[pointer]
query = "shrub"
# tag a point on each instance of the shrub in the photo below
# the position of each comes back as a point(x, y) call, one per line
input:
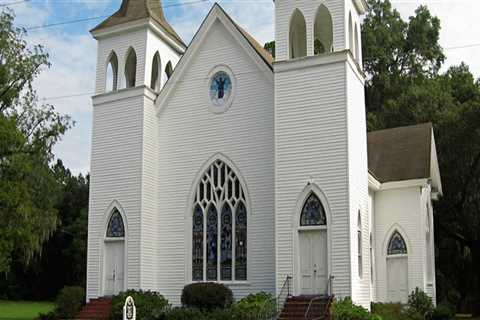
point(69, 301)
point(389, 311)
point(255, 305)
point(52, 315)
point(443, 311)
point(183, 314)
point(419, 302)
point(207, 296)
point(149, 304)
point(344, 309)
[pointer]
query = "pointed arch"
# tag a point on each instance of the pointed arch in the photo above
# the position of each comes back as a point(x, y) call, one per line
point(357, 44)
point(313, 212)
point(155, 80)
point(168, 69)
point(396, 244)
point(351, 44)
point(297, 35)
point(220, 204)
point(115, 227)
point(323, 31)
point(111, 75)
point(130, 68)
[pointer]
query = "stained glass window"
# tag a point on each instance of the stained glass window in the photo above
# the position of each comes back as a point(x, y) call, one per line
point(396, 245)
point(313, 213)
point(226, 243)
point(115, 227)
point(219, 188)
point(197, 247)
point(212, 242)
point(241, 242)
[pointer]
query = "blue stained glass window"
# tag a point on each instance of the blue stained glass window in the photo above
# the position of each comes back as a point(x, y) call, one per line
point(226, 243)
point(396, 245)
point(115, 227)
point(197, 248)
point(241, 242)
point(220, 88)
point(212, 242)
point(313, 213)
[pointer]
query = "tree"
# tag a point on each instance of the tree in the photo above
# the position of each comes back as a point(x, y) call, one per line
point(28, 131)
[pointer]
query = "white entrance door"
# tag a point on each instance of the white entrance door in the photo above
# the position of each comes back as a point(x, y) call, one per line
point(114, 267)
point(313, 261)
point(397, 277)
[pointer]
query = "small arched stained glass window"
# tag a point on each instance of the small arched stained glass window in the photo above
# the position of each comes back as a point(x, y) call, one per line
point(396, 245)
point(115, 227)
point(212, 243)
point(313, 213)
point(241, 242)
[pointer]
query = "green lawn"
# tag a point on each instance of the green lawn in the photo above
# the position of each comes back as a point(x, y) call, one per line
point(23, 310)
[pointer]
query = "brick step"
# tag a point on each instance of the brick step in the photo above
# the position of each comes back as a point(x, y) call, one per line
point(296, 307)
point(96, 309)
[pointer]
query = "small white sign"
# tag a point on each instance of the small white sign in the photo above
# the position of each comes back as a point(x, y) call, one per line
point(129, 310)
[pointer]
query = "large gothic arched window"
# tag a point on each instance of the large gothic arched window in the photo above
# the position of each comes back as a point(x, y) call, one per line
point(115, 228)
point(396, 245)
point(219, 226)
point(313, 212)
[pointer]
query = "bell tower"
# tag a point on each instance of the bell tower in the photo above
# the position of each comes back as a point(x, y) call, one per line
point(320, 144)
point(137, 53)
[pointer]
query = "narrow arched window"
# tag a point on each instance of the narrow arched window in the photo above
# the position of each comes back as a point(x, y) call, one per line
point(111, 77)
point(396, 244)
point(131, 69)
point(323, 31)
point(168, 69)
point(313, 212)
point(298, 35)
point(357, 44)
point(360, 244)
point(115, 228)
point(219, 205)
point(350, 35)
point(156, 73)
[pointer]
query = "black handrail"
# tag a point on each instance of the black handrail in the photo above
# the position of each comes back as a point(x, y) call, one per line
point(284, 294)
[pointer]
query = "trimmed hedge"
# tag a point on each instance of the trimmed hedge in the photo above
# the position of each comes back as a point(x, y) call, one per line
point(255, 305)
point(149, 305)
point(207, 296)
point(69, 302)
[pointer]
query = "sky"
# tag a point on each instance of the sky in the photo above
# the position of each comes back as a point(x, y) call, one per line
point(69, 83)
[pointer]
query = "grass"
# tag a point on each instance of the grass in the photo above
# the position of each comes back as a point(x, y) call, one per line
point(23, 310)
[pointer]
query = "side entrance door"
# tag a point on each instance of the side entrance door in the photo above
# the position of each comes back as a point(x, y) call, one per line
point(114, 267)
point(313, 261)
point(397, 277)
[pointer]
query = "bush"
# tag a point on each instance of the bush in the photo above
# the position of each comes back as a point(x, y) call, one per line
point(149, 304)
point(69, 302)
point(344, 309)
point(254, 305)
point(207, 296)
point(443, 311)
point(419, 302)
point(52, 315)
point(389, 311)
point(183, 314)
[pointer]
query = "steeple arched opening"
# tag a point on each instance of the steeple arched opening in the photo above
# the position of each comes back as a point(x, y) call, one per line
point(298, 35)
point(130, 69)
point(155, 82)
point(351, 45)
point(357, 44)
point(168, 69)
point(323, 31)
point(111, 76)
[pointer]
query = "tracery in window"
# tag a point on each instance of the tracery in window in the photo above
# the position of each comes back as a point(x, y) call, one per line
point(396, 245)
point(115, 228)
point(313, 213)
point(219, 204)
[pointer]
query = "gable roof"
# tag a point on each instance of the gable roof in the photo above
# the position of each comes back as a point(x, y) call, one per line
point(132, 10)
point(403, 153)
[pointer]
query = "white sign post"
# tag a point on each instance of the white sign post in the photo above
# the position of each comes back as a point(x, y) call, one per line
point(129, 311)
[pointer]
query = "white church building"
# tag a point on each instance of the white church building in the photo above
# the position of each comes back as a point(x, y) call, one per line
point(214, 162)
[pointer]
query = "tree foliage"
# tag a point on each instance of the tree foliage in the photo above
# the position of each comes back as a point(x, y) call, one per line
point(405, 86)
point(28, 131)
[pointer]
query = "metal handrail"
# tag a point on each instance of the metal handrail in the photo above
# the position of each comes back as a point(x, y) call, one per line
point(284, 294)
point(328, 294)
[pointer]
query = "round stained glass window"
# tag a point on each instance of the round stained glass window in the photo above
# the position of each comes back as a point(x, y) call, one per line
point(220, 89)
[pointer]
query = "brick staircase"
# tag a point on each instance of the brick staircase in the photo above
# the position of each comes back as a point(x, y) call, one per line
point(96, 309)
point(295, 308)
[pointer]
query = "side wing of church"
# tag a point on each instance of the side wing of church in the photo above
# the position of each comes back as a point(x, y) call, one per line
point(213, 162)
